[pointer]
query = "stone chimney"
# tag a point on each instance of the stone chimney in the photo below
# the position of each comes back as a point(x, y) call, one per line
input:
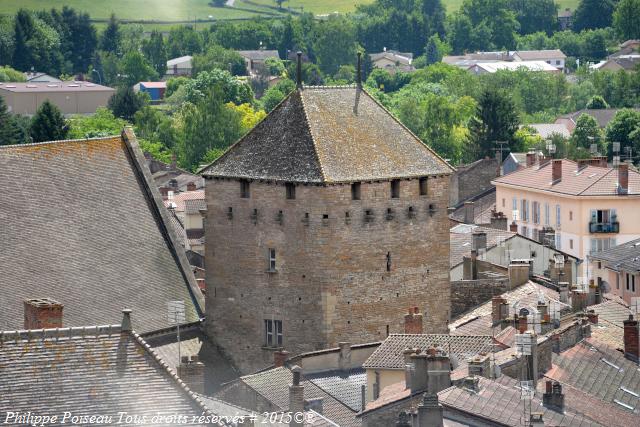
point(563, 292)
point(556, 171)
point(631, 336)
point(578, 300)
point(623, 178)
point(513, 227)
point(409, 367)
point(296, 397)
point(531, 159)
point(430, 413)
point(413, 322)
point(280, 357)
point(42, 313)
point(480, 366)
point(479, 241)
point(471, 384)
point(498, 221)
point(499, 309)
point(468, 212)
point(536, 419)
point(191, 371)
point(191, 186)
point(553, 397)
point(474, 265)
point(431, 371)
point(518, 274)
point(344, 358)
point(419, 376)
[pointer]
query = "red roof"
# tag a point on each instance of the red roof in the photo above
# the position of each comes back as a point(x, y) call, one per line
point(588, 181)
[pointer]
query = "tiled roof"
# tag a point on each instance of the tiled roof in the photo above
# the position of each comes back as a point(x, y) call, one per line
point(461, 236)
point(89, 371)
point(179, 199)
point(392, 55)
point(482, 207)
point(346, 388)
point(154, 85)
point(588, 181)
point(389, 355)
point(85, 226)
point(603, 115)
point(500, 402)
point(625, 256)
point(601, 372)
point(540, 54)
point(259, 55)
point(328, 135)
point(547, 130)
point(274, 386)
point(194, 206)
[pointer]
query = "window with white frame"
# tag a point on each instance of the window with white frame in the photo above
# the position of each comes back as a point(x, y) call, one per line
point(524, 214)
point(598, 245)
point(272, 260)
point(273, 333)
point(515, 204)
point(535, 207)
point(546, 214)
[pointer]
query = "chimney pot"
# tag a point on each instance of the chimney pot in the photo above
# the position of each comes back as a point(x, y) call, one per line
point(556, 171)
point(344, 358)
point(280, 357)
point(623, 178)
point(413, 322)
point(191, 186)
point(42, 313)
point(531, 159)
point(296, 396)
point(359, 71)
point(191, 371)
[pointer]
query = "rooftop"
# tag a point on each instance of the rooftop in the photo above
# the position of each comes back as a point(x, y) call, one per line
point(461, 236)
point(588, 181)
point(89, 231)
point(259, 55)
point(547, 130)
point(179, 60)
point(53, 87)
point(328, 135)
point(540, 54)
point(492, 67)
point(625, 256)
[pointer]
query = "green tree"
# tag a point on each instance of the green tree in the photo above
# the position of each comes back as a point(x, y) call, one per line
point(110, 38)
point(593, 14)
point(7, 39)
point(155, 51)
point(8, 74)
point(274, 95)
point(536, 15)
point(335, 44)
point(102, 123)
point(432, 54)
point(231, 88)
point(621, 129)
point(24, 29)
point(433, 13)
point(496, 120)
point(174, 83)
point(48, 124)
point(587, 132)
point(626, 19)
point(217, 57)
point(498, 19)
point(125, 102)
point(135, 68)
point(9, 131)
point(597, 103)
point(184, 40)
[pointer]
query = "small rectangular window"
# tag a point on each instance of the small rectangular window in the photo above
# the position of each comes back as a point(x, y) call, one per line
point(244, 189)
point(557, 216)
point(627, 281)
point(571, 245)
point(570, 215)
point(423, 186)
point(273, 336)
point(272, 259)
point(291, 191)
point(355, 191)
point(278, 327)
point(268, 332)
point(503, 202)
point(395, 189)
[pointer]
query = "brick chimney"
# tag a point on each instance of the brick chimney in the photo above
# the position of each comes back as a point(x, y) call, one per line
point(191, 371)
point(413, 321)
point(600, 161)
point(468, 213)
point(553, 396)
point(578, 300)
point(499, 309)
point(523, 324)
point(42, 313)
point(280, 357)
point(592, 316)
point(631, 336)
point(531, 159)
point(296, 397)
point(623, 178)
point(344, 358)
point(430, 413)
point(191, 186)
point(513, 227)
point(556, 171)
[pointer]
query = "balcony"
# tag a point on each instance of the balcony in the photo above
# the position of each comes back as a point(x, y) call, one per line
point(604, 227)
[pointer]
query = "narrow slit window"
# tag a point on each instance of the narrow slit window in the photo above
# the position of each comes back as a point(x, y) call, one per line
point(395, 189)
point(272, 259)
point(355, 191)
point(291, 191)
point(423, 186)
point(245, 191)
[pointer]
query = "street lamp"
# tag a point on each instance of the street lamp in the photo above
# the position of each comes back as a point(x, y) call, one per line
point(98, 73)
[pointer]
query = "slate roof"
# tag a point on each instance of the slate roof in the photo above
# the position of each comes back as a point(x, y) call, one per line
point(601, 372)
point(85, 226)
point(603, 116)
point(179, 60)
point(259, 55)
point(89, 371)
point(589, 181)
point(403, 58)
point(194, 206)
point(328, 135)
point(482, 207)
point(273, 385)
point(625, 256)
point(461, 236)
point(459, 348)
point(346, 388)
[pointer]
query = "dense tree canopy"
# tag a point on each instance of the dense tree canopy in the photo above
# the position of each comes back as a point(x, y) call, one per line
point(48, 124)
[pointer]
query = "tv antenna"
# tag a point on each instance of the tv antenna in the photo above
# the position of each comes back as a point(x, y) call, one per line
point(176, 316)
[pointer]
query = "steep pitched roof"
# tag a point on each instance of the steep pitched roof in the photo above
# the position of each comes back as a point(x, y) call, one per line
point(89, 371)
point(588, 181)
point(84, 225)
point(625, 256)
point(328, 135)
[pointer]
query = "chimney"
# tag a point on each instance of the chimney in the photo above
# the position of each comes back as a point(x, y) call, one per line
point(564, 292)
point(553, 396)
point(518, 274)
point(592, 316)
point(344, 358)
point(296, 397)
point(499, 309)
point(543, 309)
point(413, 322)
point(522, 324)
point(556, 171)
point(480, 366)
point(513, 227)
point(191, 371)
point(631, 345)
point(479, 241)
point(578, 300)
point(623, 178)
point(191, 186)
point(474, 265)
point(408, 366)
point(299, 71)
point(600, 161)
point(471, 384)
point(432, 371)
point(359, 71)
point(536, 419)
point(126, 321)
point(404, 419)
point(468, 212)
point(42, 313)
point(419, 376)
point(531, 159)
point(498, 221)
point(174, 163)
point(430, 411)
point(280, 357)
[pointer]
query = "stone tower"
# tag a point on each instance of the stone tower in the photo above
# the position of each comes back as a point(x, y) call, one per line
point(324, 224)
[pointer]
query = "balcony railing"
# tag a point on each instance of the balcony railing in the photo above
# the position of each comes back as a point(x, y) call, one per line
point(604, 227)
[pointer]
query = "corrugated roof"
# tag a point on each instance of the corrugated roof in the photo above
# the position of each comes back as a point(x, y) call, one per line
point(588, 181)
point(328, 135)
point(84, 225)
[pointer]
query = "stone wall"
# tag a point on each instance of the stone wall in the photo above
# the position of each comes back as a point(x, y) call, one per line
point(468, 294)
point(331, 282)
point(470, 180)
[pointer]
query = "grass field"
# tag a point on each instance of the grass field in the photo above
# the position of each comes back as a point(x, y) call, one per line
point(184, 10)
